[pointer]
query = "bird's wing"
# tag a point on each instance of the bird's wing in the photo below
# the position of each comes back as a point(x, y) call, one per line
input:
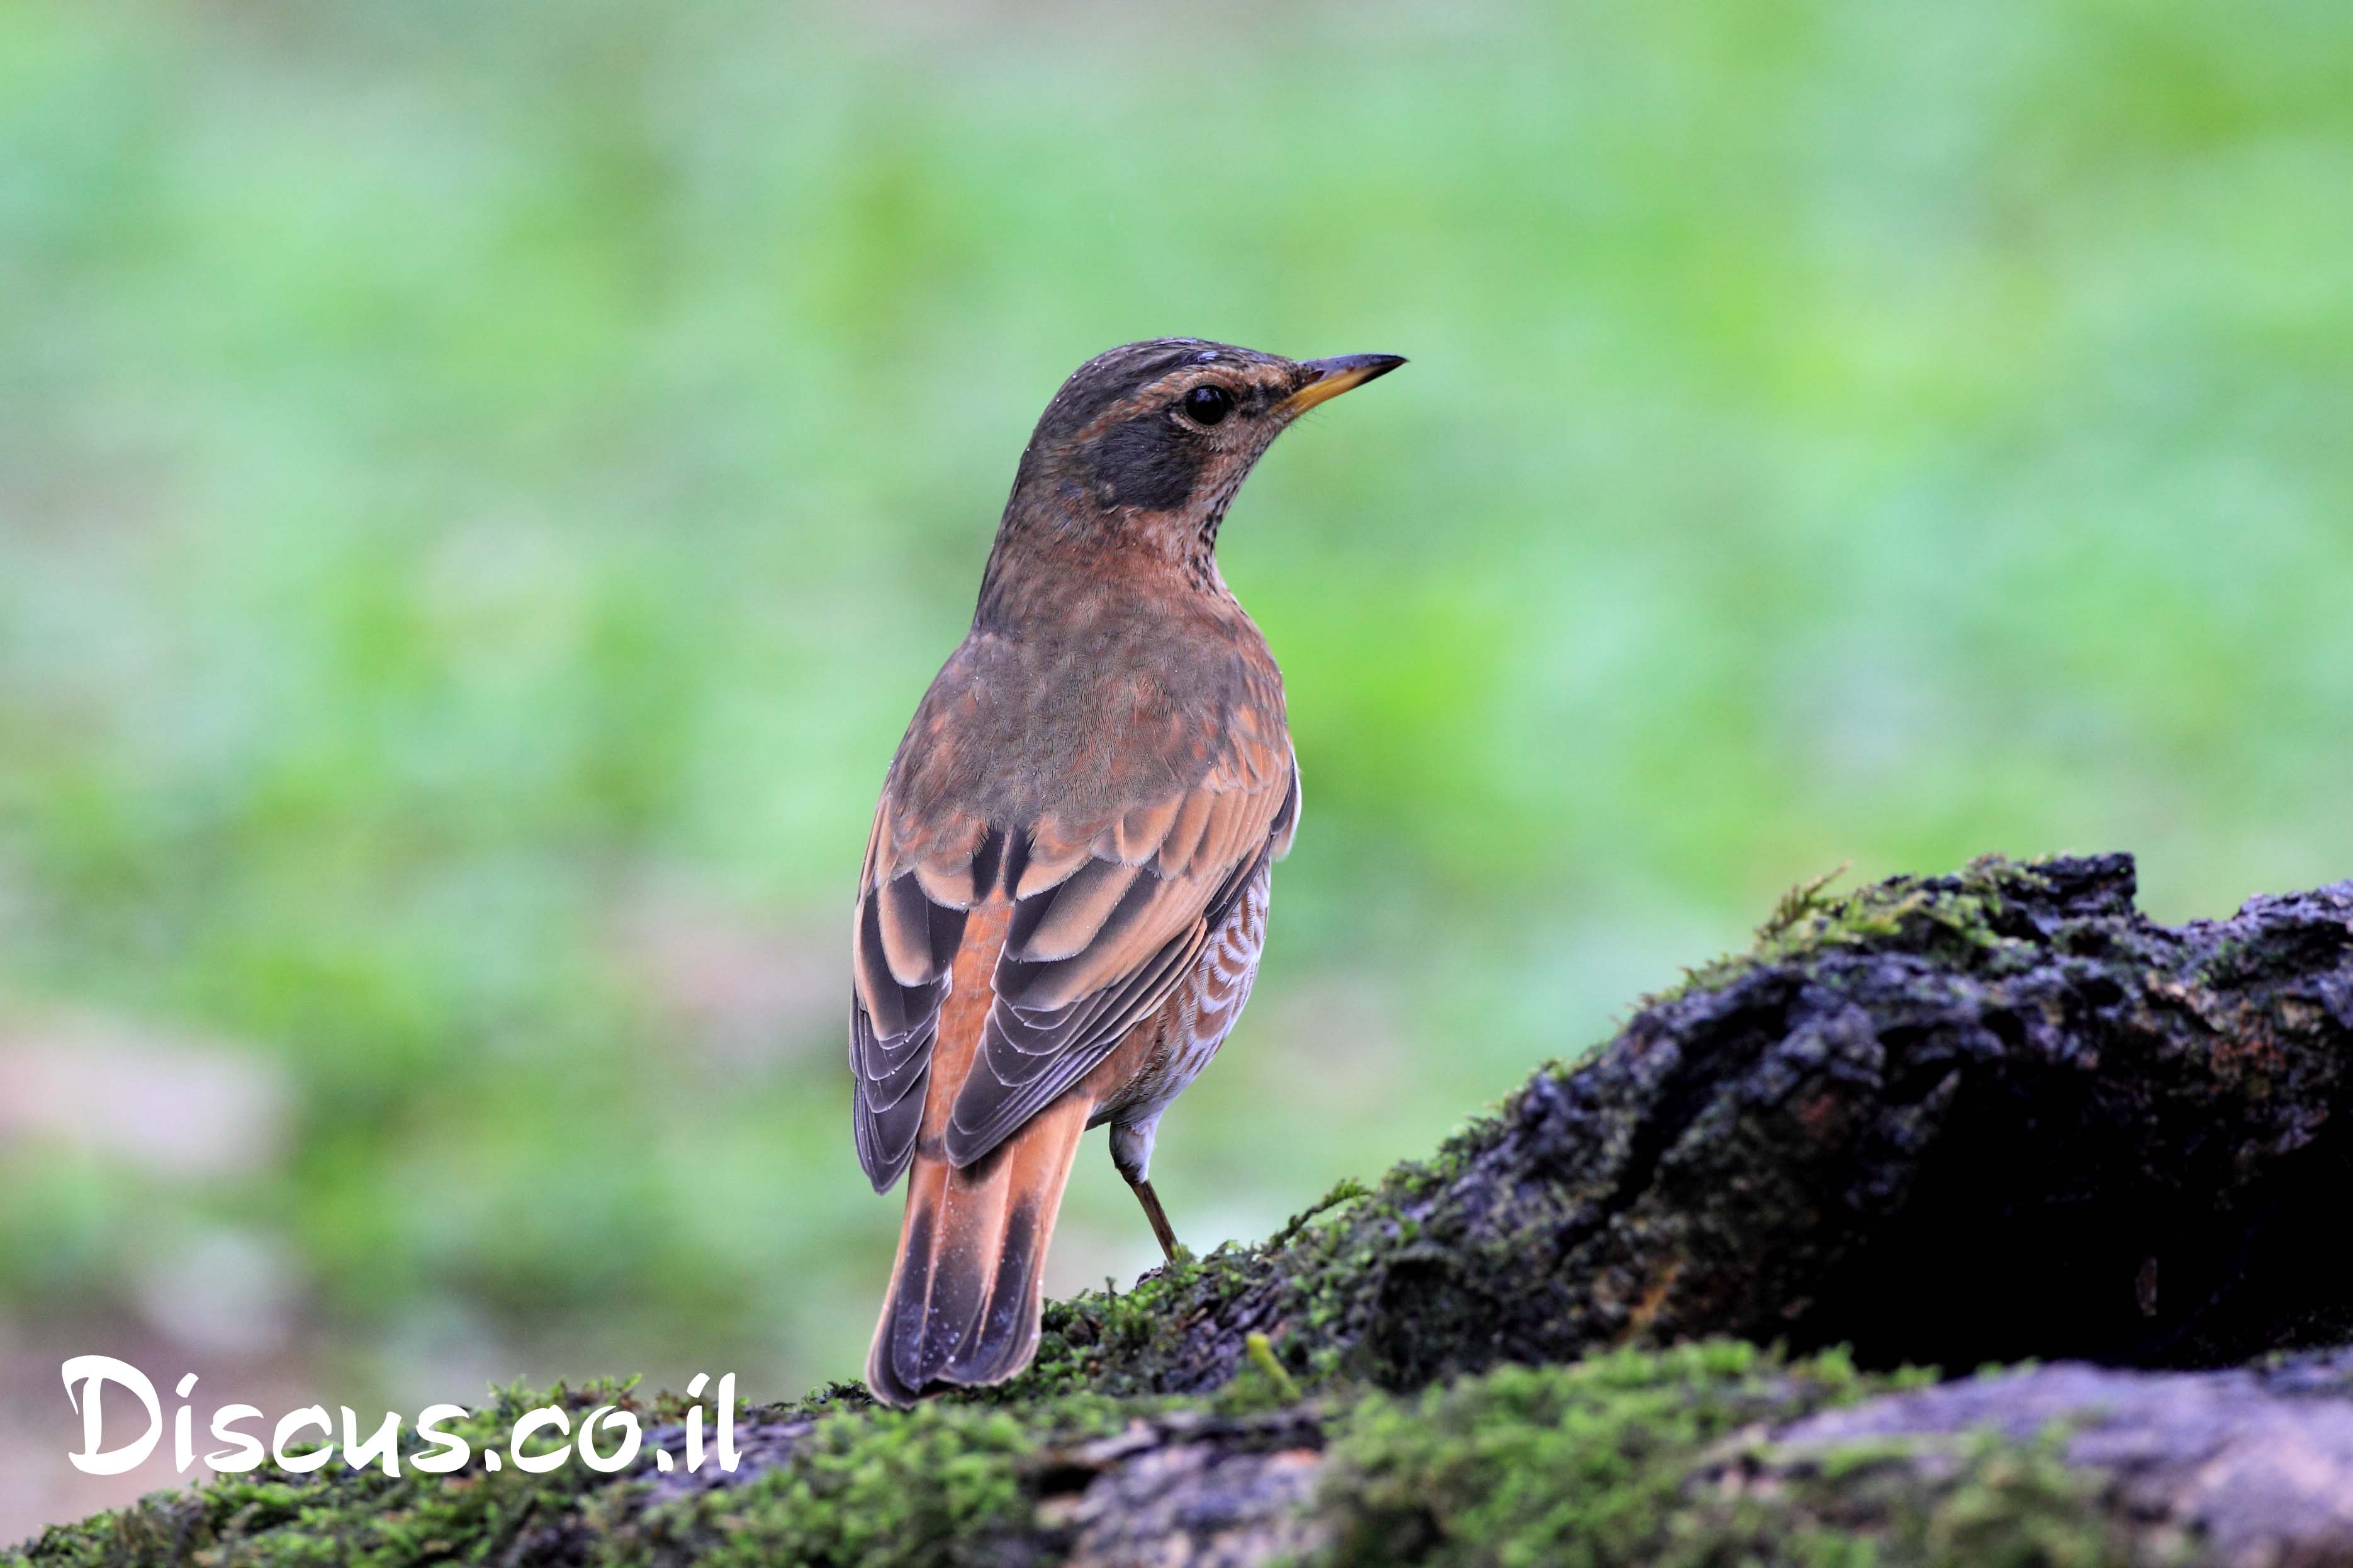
point(1109, 909)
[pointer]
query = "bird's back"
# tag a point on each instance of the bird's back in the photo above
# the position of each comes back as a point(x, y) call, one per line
point(1087, 708)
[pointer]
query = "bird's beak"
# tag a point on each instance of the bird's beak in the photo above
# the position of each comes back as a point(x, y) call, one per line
point(1334, 376)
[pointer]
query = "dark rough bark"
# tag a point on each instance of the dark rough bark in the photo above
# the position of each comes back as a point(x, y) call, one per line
point(1194, 1490)
point(1948, 1120)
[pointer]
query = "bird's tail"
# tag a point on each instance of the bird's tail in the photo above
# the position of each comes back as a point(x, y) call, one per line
point(964, 1298)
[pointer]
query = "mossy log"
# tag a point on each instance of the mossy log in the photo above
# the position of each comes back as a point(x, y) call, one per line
point(1941, 1121)
point(1949, 1119)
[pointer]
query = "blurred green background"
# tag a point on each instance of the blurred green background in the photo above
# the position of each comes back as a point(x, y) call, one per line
point(483, 484)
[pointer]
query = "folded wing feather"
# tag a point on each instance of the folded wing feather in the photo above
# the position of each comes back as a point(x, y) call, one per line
point(1108, 915)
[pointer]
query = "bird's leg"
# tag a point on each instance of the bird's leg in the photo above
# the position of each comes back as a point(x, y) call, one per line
point(1131, 1151)
point(1161, 1230)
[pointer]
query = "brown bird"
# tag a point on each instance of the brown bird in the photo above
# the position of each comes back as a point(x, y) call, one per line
point(1065, 889)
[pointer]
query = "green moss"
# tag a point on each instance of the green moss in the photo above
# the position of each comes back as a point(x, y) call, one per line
point(1954, 916)
point(1318, 1270)
point(1122, 1342)
point(946, 1483)
point(1112, 1341)
point(942, 1484)
point(1661, 1458)
point(1622, 1457)
point(1582, 1464)
point(338, 1516)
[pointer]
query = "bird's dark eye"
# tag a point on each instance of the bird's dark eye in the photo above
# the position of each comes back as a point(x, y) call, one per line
point(1207, 405)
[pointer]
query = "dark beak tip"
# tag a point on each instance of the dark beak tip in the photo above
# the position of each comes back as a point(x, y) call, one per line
point(1365, 366)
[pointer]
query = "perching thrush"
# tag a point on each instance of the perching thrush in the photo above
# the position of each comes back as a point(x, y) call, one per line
point(1065, 890)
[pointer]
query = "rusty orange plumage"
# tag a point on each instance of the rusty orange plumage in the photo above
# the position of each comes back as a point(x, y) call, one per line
point(1065, 889)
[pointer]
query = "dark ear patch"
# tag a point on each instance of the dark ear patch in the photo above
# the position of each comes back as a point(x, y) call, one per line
point(1147, 462)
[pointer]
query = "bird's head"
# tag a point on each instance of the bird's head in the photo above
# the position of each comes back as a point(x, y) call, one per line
point(1149, 443)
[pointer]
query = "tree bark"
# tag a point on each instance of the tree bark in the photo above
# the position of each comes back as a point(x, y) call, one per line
point(1942, 1121)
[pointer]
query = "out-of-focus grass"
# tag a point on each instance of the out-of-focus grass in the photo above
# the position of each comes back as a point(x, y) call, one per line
point(482, 486)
